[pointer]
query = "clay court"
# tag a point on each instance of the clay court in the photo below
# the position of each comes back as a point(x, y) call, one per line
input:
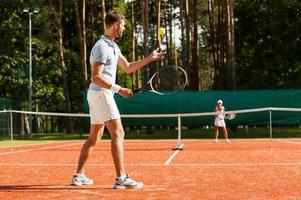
point(243, 169)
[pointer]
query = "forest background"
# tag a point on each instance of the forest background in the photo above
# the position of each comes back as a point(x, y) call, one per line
point(222, 44)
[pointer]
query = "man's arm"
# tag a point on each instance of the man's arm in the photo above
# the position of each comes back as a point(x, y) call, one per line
point(96, 76)
point(134, 66)
point(98, 79)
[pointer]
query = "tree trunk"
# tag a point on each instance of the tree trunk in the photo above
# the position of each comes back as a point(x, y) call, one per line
point(133, 24)
point(212, 24)
point(92, 19)
point(230, 61)
point(145, 24)
point(183, 59)
point(137, 79)
point(222, 35)
point(103, 14)
point(194, 49)
point(166, 24)
point(158, 10)
point(171, 45)
point(84, 43)
point(217, 43)
point(222, 44)
point(58, 20)
point(187, 30)
point(81, 45)
point(159, 44)
point(112, 5)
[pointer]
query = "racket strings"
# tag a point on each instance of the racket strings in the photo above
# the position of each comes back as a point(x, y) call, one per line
point(169, 79)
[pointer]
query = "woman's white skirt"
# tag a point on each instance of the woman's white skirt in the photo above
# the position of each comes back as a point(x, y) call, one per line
point(219, 122)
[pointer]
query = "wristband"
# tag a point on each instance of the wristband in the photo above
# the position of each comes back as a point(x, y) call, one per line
point(115, 88)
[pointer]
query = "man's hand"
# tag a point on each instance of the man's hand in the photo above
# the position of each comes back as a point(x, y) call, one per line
point(125, 93)
point(156, 54)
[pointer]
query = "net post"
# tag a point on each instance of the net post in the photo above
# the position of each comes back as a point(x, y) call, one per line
point(271, 131)
point(270, 118)
point(11, 128)
point(179, 145)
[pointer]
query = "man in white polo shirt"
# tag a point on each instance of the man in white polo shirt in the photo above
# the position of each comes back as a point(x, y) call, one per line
point(104, 58)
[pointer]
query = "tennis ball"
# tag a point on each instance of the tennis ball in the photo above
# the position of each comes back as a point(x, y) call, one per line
point(162, 31)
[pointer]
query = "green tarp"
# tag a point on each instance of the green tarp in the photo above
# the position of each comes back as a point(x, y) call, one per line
point(198, 102)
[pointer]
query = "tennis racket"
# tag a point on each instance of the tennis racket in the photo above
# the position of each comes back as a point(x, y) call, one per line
point(230, 116)
point(168, 80)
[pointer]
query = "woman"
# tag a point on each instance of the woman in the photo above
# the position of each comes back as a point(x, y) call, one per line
point(219, 121)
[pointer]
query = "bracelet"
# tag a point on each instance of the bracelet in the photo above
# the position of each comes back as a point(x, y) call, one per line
point(115, 88)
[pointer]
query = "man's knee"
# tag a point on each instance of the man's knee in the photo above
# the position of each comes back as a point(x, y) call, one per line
point(91, 142)
point(118, 134)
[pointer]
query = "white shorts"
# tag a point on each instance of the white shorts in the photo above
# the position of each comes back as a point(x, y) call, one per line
point(219, 122)
point(102, 106)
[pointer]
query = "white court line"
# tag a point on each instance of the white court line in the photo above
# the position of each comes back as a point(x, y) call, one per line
point(154, 164)
point(237, 164)
point(173, 155)
point(43, 148)
point(286, 141)
point(26, 145)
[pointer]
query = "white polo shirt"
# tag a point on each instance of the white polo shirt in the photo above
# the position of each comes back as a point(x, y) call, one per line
point(107, 52)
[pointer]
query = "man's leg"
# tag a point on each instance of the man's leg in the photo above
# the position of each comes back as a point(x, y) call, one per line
point(80, 178)
point(96, 132)
point(117, 137)
point(123, 180)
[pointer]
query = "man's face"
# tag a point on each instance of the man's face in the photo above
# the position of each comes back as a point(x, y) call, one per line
point(119, 28)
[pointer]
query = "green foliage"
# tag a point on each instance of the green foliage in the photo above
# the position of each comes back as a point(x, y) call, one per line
point(268, 44)
point(267, 40)
point(12, 54)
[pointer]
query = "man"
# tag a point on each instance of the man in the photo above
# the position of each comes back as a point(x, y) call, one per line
point(219, 121)
point(104, 58)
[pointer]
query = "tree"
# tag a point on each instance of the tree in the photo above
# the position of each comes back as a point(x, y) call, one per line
point(103, 14)
point(267, 44)
point(81, 33)
point(194, 71)
point(187, 46)
point(145, 25)
point(135, 75)
point(230, 82)
point(92, 19)
point(263, 53)
point(222, 41)
point(171, 47)
point(182, 27)
point(58, 12)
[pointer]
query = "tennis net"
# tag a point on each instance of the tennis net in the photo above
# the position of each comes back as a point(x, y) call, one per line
point(267, 122)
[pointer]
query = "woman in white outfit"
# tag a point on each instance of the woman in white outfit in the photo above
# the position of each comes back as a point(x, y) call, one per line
point(219, 121)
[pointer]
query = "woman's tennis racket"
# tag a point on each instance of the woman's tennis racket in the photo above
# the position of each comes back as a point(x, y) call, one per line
point(168, 80)
point(230, 116)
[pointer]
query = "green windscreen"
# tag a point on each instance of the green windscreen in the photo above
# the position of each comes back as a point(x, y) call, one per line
point(198, 102)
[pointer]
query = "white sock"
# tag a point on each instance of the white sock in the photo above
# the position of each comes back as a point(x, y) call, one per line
point(122, 177)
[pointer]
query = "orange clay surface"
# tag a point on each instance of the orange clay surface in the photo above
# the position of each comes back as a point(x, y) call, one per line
point(243, 169)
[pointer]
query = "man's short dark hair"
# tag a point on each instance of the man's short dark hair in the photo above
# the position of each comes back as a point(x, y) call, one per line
point(113, 17)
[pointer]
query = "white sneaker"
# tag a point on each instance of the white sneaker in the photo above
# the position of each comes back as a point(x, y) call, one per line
point(228, 141)
point(216, 141)
point(81, 179)
point(127, 183)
